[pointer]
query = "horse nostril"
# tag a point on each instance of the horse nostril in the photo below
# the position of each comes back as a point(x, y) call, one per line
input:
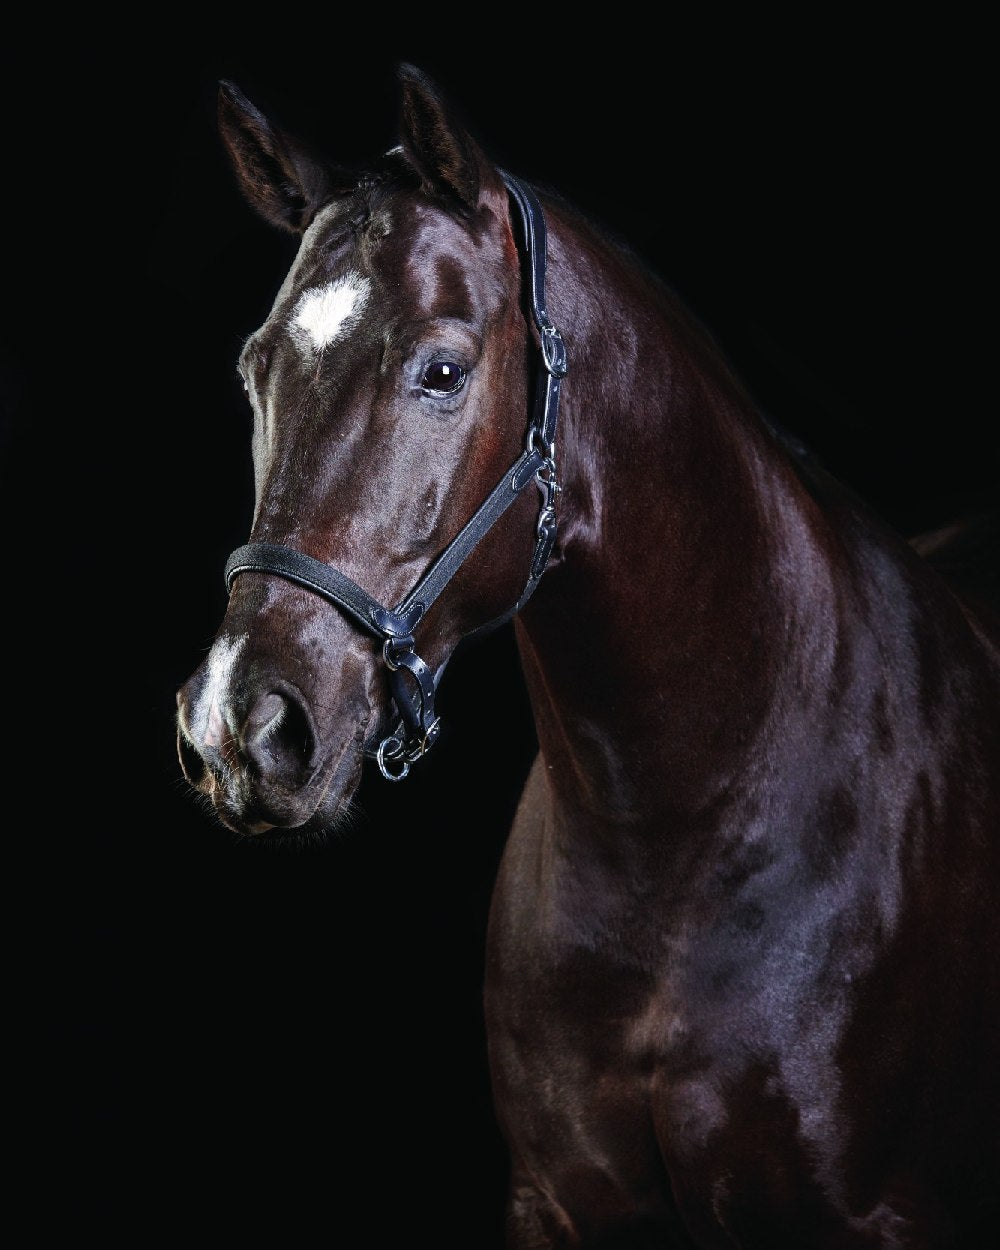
point(192, 765)
point(278, 739)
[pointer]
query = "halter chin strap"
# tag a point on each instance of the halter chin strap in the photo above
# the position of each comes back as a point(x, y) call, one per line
point(412, 682)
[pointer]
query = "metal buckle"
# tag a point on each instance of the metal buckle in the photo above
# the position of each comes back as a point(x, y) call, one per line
point(554, 350)
point(391, 647)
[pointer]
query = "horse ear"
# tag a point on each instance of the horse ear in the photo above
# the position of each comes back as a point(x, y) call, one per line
point(450, 162)
point(283, 181)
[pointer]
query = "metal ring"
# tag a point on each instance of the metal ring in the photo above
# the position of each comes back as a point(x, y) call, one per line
point(535, 441)
point(382, 752)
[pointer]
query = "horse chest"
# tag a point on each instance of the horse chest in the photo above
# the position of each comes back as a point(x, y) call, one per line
point(629, 1078)
point(623, 1112)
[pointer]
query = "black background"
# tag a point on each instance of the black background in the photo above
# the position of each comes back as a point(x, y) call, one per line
point(230, 1040)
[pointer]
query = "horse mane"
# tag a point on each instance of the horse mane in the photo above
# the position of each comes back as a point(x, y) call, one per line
point(805, 459)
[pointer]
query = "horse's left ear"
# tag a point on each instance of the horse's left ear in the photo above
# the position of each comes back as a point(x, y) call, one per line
point(450, 162)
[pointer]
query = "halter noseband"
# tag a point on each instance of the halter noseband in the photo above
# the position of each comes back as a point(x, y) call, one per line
point(418, 727)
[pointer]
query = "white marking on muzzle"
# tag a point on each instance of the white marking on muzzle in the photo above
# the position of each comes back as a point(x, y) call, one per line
point(207, 719)
point(326, 313)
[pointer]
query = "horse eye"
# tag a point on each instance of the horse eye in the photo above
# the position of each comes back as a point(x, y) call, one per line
point(443, 377)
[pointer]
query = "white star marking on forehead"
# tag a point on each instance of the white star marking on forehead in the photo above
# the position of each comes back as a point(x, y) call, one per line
point(325, 313)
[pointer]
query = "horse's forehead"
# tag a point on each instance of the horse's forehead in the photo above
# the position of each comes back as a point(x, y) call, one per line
point(418, 260)
point(440, 252)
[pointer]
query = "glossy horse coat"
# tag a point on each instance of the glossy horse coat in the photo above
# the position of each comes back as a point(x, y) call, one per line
point(741, 984)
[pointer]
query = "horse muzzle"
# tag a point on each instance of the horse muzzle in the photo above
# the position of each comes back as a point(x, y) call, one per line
point(266, 753)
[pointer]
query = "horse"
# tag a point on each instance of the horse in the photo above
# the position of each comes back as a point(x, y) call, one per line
point(740, 982)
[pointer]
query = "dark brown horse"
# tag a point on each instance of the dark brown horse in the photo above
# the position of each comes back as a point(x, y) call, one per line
point(741, 984)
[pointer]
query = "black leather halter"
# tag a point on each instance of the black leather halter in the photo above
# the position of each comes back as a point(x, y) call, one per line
point(417, 728)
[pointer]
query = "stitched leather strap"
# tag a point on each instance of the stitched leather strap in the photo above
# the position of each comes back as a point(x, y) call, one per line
point(326, 581)
point(521, 474)
point(553, 348)
point(346, 594)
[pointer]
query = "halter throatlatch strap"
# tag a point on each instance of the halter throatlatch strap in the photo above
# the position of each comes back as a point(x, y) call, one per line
point(412, 682)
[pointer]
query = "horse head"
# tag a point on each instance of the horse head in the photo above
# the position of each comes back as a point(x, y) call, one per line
point(389, 388)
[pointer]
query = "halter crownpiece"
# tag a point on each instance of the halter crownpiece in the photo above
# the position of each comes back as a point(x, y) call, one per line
point(418, 727)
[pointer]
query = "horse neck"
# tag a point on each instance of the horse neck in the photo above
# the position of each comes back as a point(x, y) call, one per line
point(653, 646)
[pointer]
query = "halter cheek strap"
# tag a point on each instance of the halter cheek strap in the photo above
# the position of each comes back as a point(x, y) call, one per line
point(412, 682)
